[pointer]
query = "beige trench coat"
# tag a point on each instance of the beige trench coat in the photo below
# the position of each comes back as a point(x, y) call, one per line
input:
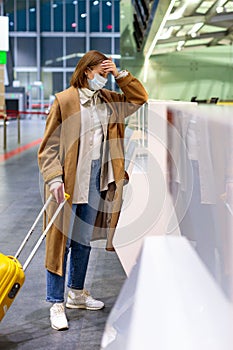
point(58, 154)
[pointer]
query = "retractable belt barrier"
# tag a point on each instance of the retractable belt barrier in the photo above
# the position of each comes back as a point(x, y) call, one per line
point(11, 115)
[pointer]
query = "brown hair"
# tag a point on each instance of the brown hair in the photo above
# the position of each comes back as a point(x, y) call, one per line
point(89, 60)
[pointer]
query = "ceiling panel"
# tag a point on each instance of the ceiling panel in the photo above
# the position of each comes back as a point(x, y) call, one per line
point(185, 23)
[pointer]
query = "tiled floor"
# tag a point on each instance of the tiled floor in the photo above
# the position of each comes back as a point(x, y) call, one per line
point(26, 325)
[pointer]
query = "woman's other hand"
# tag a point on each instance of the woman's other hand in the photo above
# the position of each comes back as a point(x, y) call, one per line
point(57, 189)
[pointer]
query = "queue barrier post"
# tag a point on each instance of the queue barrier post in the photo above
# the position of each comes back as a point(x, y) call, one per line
point(12, 115)
point(18, 124)
point(3, 117)
point(4, 131)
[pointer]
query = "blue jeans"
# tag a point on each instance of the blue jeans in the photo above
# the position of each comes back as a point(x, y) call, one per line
point(78, 242)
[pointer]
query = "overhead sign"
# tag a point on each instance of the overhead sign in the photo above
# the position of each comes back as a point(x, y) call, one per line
point(4, 37)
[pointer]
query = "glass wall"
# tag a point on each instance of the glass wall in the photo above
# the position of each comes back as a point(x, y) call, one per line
point(48, 37)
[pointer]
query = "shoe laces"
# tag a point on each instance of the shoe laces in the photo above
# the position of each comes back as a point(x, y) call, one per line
point(59, 309)
point(86, 293)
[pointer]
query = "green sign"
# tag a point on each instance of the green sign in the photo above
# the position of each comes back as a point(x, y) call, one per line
point(2, 57)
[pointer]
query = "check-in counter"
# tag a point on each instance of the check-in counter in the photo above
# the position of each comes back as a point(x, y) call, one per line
point(175, 234)
point(147, 204)
point(200, 168)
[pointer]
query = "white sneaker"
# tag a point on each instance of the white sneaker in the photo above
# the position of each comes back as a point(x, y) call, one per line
point(81, 299)
point(58, 317)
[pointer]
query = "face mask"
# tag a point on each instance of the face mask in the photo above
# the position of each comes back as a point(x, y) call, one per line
point(97, 82)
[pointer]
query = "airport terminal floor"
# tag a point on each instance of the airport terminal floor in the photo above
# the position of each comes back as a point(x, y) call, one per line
point(26, 324)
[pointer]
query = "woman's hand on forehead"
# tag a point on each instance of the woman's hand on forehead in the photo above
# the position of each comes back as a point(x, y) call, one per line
point(109, 67)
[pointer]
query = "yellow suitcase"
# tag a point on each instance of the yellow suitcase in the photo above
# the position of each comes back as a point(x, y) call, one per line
point(12, 274)
point(11, 280)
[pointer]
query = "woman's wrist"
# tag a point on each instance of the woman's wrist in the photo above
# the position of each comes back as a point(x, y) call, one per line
point(116, 73)
point(122, 74)
point(55, 179)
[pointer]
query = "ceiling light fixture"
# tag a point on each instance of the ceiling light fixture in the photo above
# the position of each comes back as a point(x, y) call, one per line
point(179, 12)
point(180, 45)
point(195, 29)
point(219, 9)
point(167, 33)
point(156, 38)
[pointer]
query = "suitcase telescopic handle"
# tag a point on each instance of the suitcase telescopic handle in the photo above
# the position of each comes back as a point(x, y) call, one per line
point(61, 205)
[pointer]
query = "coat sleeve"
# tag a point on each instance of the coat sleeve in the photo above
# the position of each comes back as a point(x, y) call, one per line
point(133, 97)
point(49, 150)
point(133, 90)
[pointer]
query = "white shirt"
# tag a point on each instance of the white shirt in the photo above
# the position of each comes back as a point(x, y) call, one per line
point(93, 136)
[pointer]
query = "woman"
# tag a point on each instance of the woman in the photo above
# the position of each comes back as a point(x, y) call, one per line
point(82, 153)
